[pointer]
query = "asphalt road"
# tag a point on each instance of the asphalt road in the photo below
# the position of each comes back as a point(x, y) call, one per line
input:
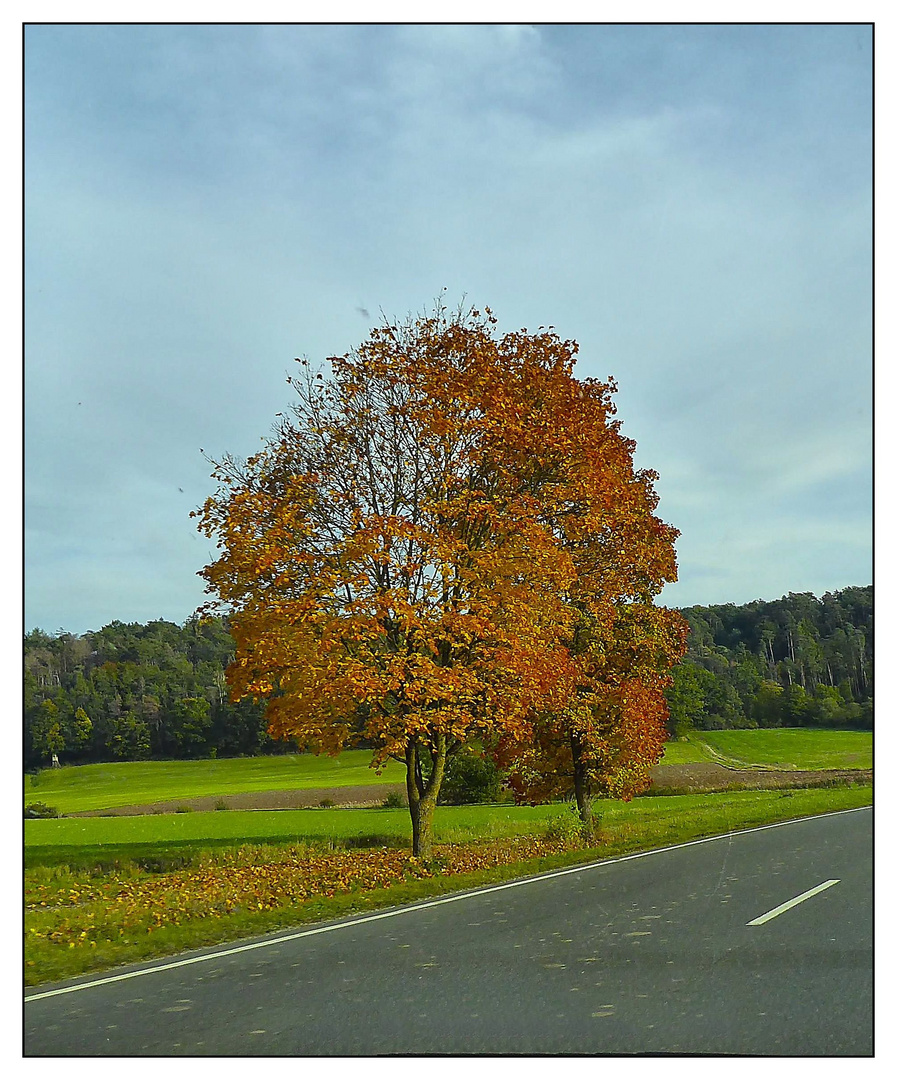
point(666, 952)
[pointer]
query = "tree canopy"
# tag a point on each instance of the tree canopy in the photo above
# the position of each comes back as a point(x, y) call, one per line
point(415, 556)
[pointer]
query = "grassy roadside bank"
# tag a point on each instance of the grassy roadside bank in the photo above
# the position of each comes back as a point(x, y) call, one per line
point(92, 916)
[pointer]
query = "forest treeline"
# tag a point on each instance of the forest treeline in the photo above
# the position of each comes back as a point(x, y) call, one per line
point(132, 691)
point(799, 661)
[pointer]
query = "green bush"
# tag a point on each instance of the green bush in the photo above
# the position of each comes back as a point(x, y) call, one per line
point(40, 810)
point(470, 779)
point(566, 825)
point(393, 801)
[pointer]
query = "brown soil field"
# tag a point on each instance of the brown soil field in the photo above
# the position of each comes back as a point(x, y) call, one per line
point(689, 779)
point(359, 795)
point(703, 776)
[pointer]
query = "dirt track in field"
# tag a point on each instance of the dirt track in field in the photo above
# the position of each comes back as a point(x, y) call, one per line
point(694, 778)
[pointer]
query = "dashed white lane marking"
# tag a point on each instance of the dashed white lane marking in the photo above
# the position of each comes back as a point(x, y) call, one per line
point(793, 903)
point(426, 904)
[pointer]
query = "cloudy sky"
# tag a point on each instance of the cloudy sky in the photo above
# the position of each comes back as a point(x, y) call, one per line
point(203, 203)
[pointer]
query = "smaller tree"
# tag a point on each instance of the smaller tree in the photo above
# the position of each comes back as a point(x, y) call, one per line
point(798, 706)
point(610, 727)
point(47, 736)
point(81, 729)
point(767, 706)
point(128, 737)
point(722, 705)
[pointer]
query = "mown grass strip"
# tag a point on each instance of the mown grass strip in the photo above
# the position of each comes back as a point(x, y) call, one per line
point(101, 787)
point(84, 912)
point(684, 751)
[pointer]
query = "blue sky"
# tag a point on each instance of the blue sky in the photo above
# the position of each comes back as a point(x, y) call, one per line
point(692, 204)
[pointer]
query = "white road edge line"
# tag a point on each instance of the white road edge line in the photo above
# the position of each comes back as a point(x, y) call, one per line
point(793, 903)
point(426, 904)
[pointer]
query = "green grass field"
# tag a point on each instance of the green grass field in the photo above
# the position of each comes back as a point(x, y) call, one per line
point(684, 752)
point(791, 748)
point(87, 841)
point(101, 787)
point(83, 840)
point(787, 748)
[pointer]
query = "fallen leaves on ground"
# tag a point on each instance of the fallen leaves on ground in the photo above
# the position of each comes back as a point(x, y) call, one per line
point(120, 906)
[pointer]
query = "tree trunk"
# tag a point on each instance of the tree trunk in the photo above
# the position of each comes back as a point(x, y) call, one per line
point(421, 827)
point(423, 793)
point(582, 790)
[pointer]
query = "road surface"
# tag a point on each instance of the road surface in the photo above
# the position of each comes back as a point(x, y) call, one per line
point(756, 943)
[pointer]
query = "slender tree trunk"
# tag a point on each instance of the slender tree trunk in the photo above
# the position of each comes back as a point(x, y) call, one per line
point(769, 656)
point(423, 793)
point(582, 790)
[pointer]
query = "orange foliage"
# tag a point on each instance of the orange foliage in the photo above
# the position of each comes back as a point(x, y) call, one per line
point(610, 728)
point(409, 560)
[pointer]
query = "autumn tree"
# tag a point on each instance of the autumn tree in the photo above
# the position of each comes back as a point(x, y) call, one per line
point(407, 559)
point(606, 723)
point(609, 727)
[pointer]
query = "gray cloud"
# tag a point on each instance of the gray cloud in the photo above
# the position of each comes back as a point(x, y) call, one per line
point(692, 204)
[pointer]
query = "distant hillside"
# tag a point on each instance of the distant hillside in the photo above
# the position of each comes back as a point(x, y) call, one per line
point(133, 691)
point(791, 662)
